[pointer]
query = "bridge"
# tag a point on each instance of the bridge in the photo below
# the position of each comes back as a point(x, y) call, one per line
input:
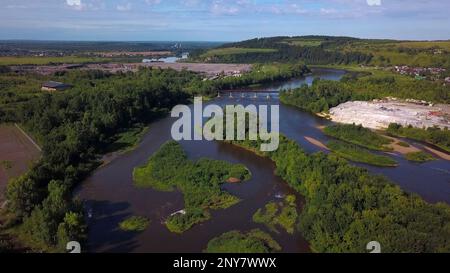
point(249, 91)
point(247, 94)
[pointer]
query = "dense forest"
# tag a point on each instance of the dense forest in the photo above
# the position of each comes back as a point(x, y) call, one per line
point(260, 74)
point(17, 89)
point(325, 94)
point(73, 128)
point(347, 207)
point(319, 97)
point(284, 52)
point(329, 50)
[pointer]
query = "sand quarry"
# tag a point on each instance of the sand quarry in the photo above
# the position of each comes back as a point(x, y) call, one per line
point(379, 114)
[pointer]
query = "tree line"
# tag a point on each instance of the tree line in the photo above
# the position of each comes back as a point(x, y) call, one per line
point(325, 94)
point(348, 207)
point(74, 128)
point(286, 52)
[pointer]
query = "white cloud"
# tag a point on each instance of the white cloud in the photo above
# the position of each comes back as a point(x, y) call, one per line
point(153, 2)
point(374, 2)
point(74, 3)
point(190, 3)
point(324, 11)
point(222, 8)
point(125, 7)
point(16, 6)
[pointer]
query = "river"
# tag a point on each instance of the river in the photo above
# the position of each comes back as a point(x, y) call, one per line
point(111, 197)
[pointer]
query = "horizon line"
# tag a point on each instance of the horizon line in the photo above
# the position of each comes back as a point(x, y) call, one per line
point(217, 41)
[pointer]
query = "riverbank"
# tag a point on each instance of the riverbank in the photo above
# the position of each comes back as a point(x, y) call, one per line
point(125, 142)
point(317, 143)
point(331, 177)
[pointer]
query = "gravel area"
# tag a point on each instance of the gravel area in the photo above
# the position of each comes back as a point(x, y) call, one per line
point(379, 114)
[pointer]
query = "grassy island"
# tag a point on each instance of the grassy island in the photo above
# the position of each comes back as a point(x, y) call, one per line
point(134, 223)
point(420, 157)
point(254, 241)
point(282, 213)
point(357, 154)
point(200, 182)
point(435, 136)
point(358, 135)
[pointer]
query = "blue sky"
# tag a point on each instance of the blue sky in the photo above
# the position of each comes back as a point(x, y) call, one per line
point(221, 20)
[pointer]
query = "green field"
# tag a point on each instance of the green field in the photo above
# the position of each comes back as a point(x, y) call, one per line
point(235, 50)
point(386, 53)
point(48, 60)
point(426, 44)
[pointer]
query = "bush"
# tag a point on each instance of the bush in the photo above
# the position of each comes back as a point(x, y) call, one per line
point(254, 241)
point(283, 213)
point(420, 157)
point(134, 223)
point(72, 229)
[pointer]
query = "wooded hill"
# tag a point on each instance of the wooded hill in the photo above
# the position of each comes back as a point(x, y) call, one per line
point(321, 50)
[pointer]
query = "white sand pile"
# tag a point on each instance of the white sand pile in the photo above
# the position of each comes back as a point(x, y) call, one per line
point(379, 114)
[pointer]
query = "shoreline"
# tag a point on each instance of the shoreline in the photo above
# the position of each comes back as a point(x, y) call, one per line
point(317, 143)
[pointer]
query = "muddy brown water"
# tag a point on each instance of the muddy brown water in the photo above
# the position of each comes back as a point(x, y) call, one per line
point(111, 197)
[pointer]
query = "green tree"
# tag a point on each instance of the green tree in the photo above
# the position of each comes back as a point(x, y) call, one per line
point(72, 229)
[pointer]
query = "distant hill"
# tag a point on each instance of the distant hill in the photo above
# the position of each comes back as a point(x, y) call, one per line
point(27, 48)
point(322, 50)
